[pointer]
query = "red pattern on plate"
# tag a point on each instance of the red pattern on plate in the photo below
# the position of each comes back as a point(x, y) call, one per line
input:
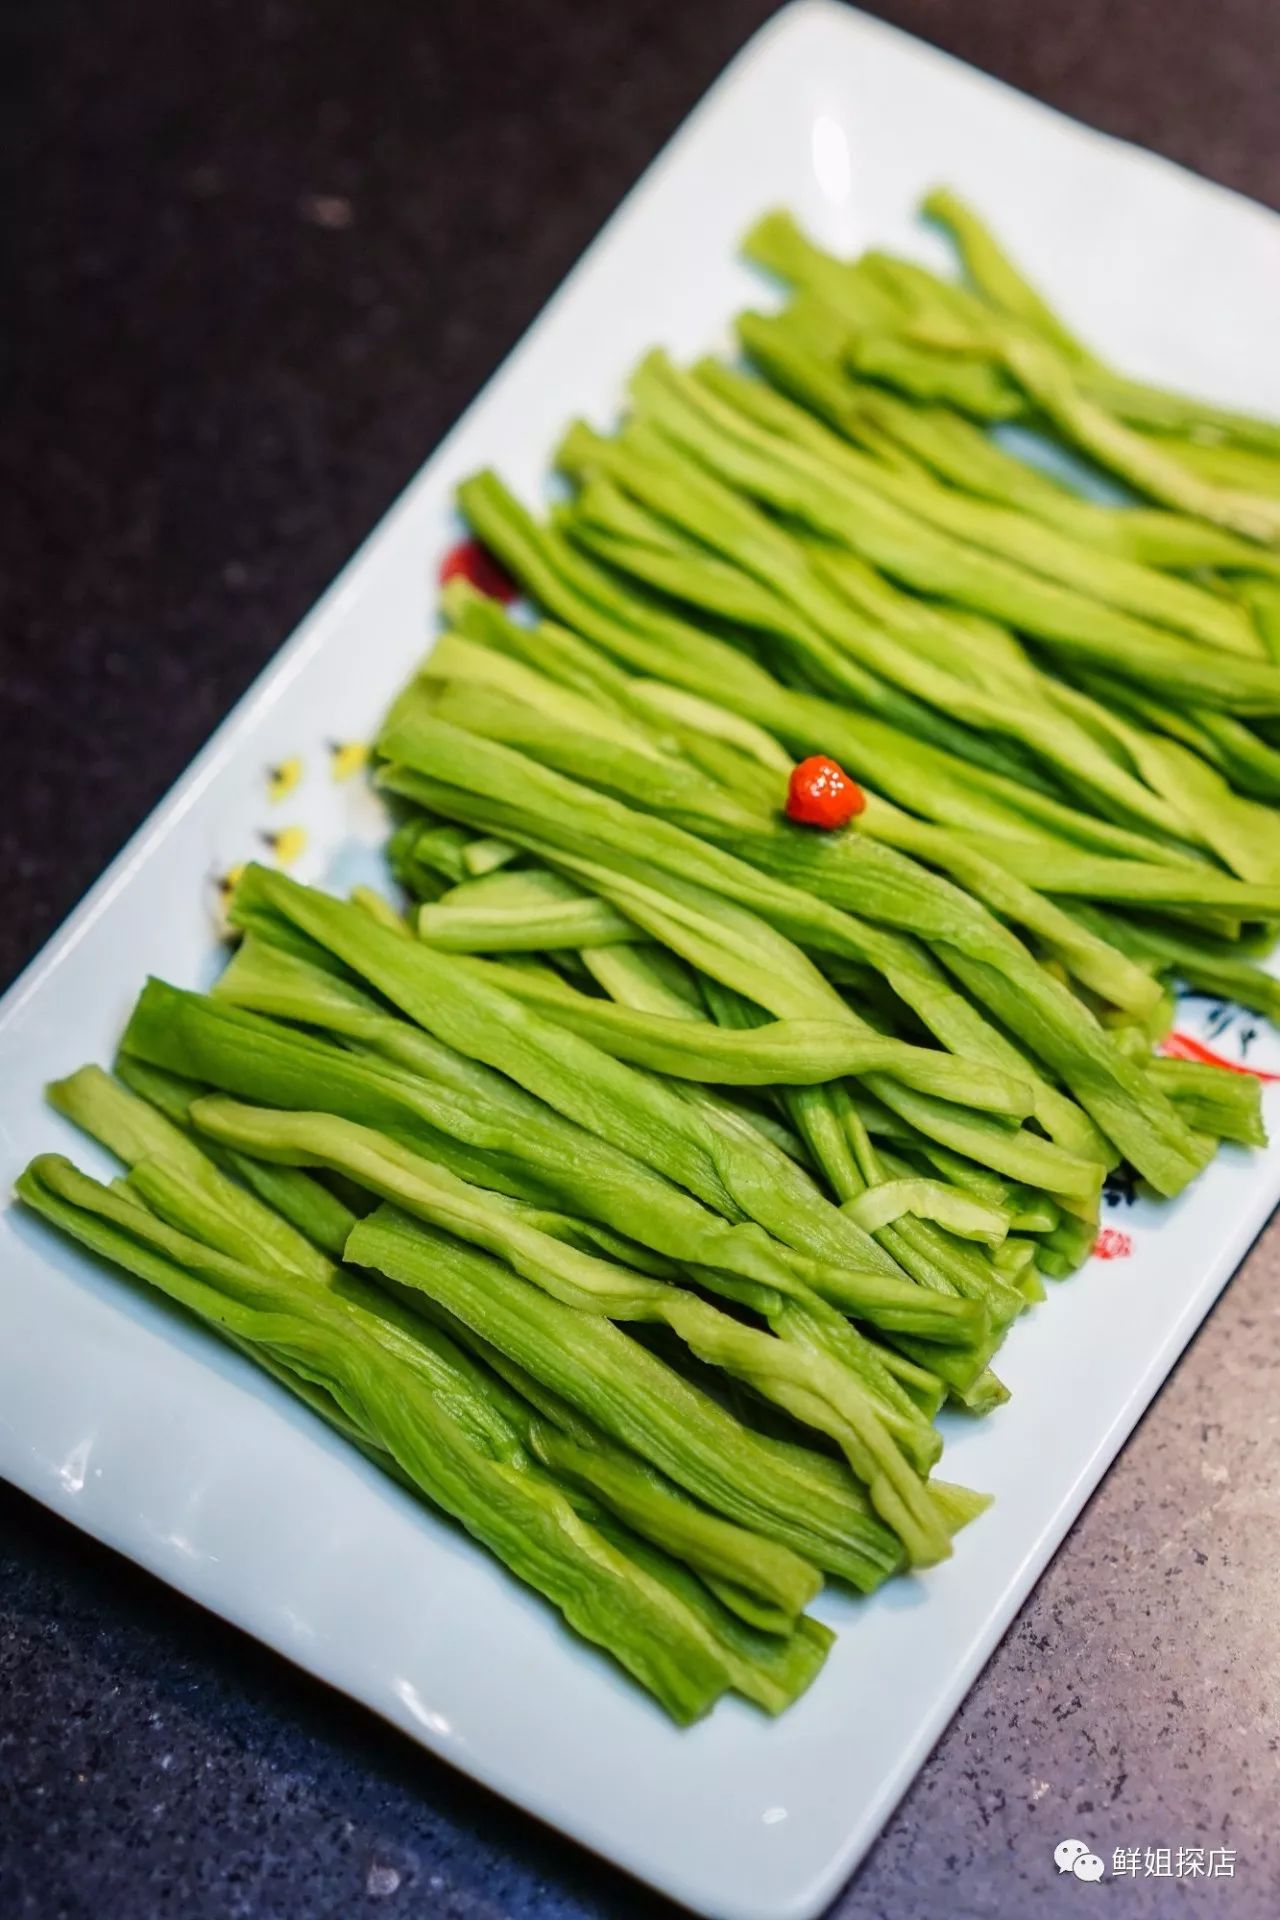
point(1182, 1046)
point(1113, 1244)
point(472, 562)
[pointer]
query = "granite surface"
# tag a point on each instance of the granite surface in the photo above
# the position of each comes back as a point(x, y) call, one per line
point(257, 259)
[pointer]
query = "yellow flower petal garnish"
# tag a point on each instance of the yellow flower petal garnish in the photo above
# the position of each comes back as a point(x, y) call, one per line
point(283, 779)
point(288, 845)
point(348, 756)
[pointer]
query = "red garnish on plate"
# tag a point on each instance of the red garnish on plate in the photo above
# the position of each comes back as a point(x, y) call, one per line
point(1181, 1046)
point(471, 562)
point(1113, 1244)
point(821, 794)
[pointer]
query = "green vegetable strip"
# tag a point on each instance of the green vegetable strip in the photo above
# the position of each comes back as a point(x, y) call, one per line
point(676, 912)
point(925, 780)
point(519, 1515)
point(831, 1397)
point(1129, 882)
point(1224, 1104)
point(304, 1202)
point(1042, 1012)
point(134, 1130)
point(960, 453)
point(915, 363)
point(629, 1393)
point(487, 1132)
point(1215, 459)
point(1116, 422)
point(486, 856)
point(931, 561)
point(639, 985)
point(1143, 463)
point(788, 1582)
point(784, 1210)
point(826, 1118)
point(1141, 590)
point(490, 1134)
point(640, 1114)
point(1145, 1128)
point(535, 913)
point(838, 652)
point(172, 1198)
point(764, 1580)
point(777, 243)
point(794, 1052)
point(437, 846)
point(914, 773)
point(694, 802)
point(975, 790)
point(1262, 598)
point(968, 1218)
point(1210, 966)
point(630, 1485)
point(769, 1669)
point(1251, 765)
point(843, 1264)
point(190, 1210)
point(1093, 961)
point(1016, 703)
point(996, 277)
point(648, 979)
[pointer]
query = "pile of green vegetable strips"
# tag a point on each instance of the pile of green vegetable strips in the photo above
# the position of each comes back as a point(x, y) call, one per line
point(641, 1192)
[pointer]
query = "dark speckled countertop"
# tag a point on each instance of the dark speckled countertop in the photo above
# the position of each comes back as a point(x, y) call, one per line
point(259, 257)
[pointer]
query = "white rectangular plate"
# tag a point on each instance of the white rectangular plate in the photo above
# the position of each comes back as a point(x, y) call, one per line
point(176, 1452)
